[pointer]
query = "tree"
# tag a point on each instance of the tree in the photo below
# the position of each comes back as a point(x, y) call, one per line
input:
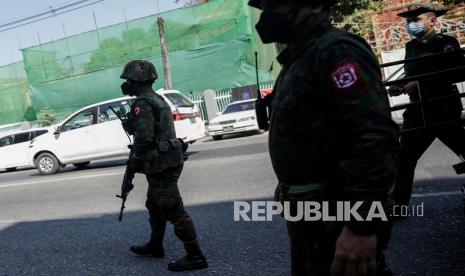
point(46, 117)
point(355, 16)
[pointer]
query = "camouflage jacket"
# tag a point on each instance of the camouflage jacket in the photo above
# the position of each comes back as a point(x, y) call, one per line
point(155, 140)
point(331, 122)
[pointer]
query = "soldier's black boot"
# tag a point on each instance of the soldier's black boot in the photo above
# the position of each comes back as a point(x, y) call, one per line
point(149, 249)
point(193, 260)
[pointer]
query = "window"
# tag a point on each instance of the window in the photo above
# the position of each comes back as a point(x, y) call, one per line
point(37, 133)
point(239, 107)
point(178, 100)
point(105, 113)
point(82, 119)
point(6, 141)
point(21, 138)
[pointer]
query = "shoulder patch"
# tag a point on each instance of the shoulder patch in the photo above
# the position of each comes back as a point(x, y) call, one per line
point(345, 75)
point(136, 110)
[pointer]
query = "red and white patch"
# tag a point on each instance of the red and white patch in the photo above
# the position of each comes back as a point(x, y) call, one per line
point(137, 110)
point(449, 48)
point(345, 75)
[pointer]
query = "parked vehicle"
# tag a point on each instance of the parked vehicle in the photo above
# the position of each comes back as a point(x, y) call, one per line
point(186, 115)
point(236, 117)
point(14, 148)
point(94, 132)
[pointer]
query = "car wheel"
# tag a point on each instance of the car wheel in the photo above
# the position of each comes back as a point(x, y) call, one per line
point(47, 164)
point(82, 165)
point(217, 137)
point(11, 169)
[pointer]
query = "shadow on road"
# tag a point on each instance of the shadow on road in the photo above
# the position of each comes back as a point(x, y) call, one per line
point(4, 171)
point(99, 245)
point(232, 136)
point(430, 245)
point(433, 244)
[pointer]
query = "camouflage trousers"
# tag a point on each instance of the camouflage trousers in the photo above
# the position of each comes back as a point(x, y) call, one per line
point(313, 247)
point(164, 204)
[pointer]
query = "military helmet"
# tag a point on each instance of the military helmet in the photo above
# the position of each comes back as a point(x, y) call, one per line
point(257, 3)
point(139, 70)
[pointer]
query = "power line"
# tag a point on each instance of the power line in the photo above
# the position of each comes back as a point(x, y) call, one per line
point(51, 13)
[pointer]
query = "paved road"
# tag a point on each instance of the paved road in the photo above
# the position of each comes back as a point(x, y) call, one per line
point(66, 224)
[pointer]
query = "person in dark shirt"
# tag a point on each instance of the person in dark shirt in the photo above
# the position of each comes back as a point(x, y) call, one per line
point(427, 124)
point(331, 137)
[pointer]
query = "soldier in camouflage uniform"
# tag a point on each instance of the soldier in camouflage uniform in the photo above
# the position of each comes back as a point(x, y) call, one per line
point(331, 137)
point(161, 155)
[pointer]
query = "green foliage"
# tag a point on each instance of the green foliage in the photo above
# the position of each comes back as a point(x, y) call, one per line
point(355, 16)
point(46, 117)
point(346, 9)
point(134, 44)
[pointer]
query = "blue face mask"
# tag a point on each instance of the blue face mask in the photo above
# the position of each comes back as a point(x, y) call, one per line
point(416, 29)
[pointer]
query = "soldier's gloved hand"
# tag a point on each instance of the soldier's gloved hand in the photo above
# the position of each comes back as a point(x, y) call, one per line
point(355, 254)
point(394, 90)
point(127, 126)
point(410, 87)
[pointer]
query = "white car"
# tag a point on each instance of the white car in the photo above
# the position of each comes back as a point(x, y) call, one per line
point(94, 132)
point(14, 148)
point(236, 117)
point(186, 115)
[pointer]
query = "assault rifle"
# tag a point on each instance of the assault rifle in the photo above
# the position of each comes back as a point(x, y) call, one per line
point(129, 174)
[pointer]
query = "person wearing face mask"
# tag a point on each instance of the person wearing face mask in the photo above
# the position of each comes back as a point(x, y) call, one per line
point(331, 138)
point(155, 146)
point(426, 42)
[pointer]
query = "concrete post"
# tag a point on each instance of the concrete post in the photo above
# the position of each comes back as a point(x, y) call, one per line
point(209, 97)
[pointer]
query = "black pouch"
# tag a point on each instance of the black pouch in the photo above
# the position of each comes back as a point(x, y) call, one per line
point(171, 153)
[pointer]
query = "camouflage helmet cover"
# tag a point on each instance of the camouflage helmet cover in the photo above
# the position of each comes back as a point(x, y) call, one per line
point(139, 70)
point(257, 3)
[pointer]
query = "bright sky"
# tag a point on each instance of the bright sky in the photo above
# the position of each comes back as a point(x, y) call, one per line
point(107, 12)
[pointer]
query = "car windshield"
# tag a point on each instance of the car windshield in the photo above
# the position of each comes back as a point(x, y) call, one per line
point(178, 100)
point(239, 107)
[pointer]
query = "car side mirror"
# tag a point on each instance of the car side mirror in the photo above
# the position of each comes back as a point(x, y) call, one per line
point(57, 130)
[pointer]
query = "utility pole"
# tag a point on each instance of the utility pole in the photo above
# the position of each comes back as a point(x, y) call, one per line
point(96, 29)
point(164, 54)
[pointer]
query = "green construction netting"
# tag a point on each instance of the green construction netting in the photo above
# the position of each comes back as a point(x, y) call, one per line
point(211, 47)
point(15, 104)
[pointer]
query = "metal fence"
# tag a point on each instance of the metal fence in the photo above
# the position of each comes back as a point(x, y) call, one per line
point(197, 98)
point(223, 98)
point(57, 120)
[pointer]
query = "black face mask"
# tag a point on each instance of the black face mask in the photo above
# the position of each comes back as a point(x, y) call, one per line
point(275, 27)
point(128, 88)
